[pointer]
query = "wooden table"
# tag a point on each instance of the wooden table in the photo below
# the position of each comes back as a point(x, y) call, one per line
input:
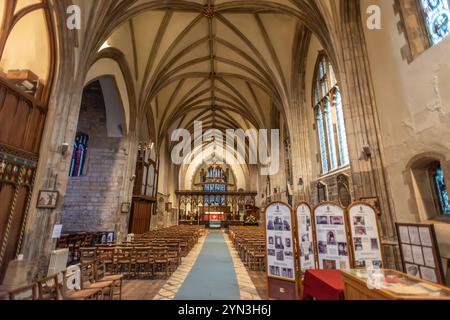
point(356, 287)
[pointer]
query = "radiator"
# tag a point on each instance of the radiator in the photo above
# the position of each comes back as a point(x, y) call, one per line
point(58, 261)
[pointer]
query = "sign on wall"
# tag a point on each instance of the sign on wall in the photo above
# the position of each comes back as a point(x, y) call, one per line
point(305, 236)
point(365, 236)
point(280, 251)
point(331, 235)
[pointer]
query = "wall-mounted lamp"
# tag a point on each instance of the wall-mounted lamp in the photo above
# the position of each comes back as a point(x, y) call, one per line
point(64, 149)
point(367, 151)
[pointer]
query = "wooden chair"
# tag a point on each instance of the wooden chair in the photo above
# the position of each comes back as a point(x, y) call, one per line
point(123, 260)
point(50, 289)
point(88, 254)
point(72, 286)
point(143, 261)
point(25, 293)
point(107, 255)
point(161, 260)
point(116, 279)
point(88, 281)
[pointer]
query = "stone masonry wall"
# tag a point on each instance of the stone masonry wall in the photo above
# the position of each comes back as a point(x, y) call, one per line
point(92, 202)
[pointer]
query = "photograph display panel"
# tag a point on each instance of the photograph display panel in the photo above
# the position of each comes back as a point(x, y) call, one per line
point(306, 238)
point(280, 245)
point(365, 235)
point(331, 236)
point(419, 251)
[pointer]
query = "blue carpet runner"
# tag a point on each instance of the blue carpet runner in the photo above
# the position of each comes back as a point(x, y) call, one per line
point(213, 276)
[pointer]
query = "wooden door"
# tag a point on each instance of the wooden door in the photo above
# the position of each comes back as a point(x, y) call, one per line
point(141, 214)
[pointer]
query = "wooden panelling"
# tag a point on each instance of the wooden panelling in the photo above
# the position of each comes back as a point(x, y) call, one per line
point(22, 119)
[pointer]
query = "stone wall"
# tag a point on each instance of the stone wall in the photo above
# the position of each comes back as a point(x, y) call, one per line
point(330, 182)
point(92, 201)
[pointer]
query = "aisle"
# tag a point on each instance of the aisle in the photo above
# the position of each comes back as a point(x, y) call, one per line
point(213, 276)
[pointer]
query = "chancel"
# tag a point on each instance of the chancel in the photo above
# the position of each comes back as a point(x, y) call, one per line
point(224, 150)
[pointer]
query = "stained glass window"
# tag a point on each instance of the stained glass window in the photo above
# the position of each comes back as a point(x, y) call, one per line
point(437, 19)
point(215, 182)
point(329, 115)
point(322, 142)
point(342, 135)
point(441, 190)
point(80, 149)
point(330, 134)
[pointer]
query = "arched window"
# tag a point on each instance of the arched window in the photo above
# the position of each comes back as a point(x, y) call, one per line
point(80, 149)
point(441, 190)
point(329, 116)
point(215, 182)
point(437, 19)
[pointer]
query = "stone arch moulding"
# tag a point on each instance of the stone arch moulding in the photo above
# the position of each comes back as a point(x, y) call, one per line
point(422, 201)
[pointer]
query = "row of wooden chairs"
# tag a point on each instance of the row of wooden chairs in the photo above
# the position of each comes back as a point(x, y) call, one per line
point(88, 281)
point(152, 254)
point(78, 240)
point(250, 245)
point(136, 261)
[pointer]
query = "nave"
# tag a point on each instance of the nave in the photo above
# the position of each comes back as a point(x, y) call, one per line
point(224, 149)
point(212, 271)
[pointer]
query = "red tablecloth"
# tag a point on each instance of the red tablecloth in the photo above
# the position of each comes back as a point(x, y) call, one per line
point(323, 285)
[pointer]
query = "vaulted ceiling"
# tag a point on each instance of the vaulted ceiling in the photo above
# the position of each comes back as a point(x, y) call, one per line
point(224, 64)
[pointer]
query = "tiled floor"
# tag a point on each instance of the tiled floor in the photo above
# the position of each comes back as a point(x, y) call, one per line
point(253, 285)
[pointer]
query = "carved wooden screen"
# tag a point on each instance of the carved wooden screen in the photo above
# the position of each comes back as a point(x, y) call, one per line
point(16, 181)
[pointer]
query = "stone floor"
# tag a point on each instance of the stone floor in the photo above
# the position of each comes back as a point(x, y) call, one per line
point(252, 284)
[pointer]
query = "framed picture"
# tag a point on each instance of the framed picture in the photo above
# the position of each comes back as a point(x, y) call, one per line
point(47, 199)
point(125, 207)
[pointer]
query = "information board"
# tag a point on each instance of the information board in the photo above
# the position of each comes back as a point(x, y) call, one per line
point(420, 252)
point(305, 234)
point(365, 236)
point(331, 234)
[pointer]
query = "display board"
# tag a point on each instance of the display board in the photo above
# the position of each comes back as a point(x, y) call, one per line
point(305, 236)
point(333, 249)
point(420, 252)
point(281, 266)
point(365, 236)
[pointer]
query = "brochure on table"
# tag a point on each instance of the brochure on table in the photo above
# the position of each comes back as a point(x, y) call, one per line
point(420, 252)
point(305, 235)
point(365, 236)
point(331, 235)
point(280, 245)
